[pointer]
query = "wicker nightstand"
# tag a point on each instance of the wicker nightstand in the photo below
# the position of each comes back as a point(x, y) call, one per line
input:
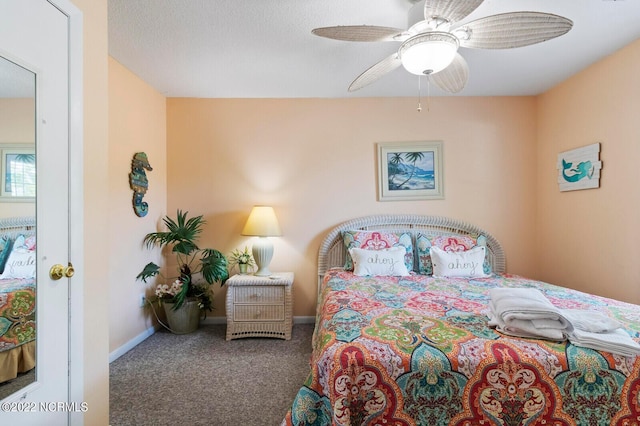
point(259, 306)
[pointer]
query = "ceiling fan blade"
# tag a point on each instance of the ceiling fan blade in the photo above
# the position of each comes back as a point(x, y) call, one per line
point(452, 10)
point(453, 78)
point(359, 33)
point(514, 29)
point(378, 70)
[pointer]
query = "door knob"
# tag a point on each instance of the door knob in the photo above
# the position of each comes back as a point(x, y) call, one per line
point(58, 271)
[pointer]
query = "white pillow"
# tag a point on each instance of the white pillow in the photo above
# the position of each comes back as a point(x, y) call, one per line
point(458, 264)
point(387, 262)
point(20, 264)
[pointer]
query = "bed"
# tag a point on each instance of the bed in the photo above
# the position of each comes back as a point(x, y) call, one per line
point(418, 350)
point(17, 296)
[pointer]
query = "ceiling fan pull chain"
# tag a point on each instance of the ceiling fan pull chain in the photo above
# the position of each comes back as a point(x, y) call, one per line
point(428, 90)
point(420, 90)
point(419, 105)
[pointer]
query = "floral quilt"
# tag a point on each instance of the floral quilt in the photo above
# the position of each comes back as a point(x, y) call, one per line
point(417, 350)
point(17, 312)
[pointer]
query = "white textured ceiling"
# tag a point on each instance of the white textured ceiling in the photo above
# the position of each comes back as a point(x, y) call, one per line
point(15, 81)
point(265, 49)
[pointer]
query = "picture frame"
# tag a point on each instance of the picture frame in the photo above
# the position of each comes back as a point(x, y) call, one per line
point(410, 171)
point(579, 168)
point(18, 172)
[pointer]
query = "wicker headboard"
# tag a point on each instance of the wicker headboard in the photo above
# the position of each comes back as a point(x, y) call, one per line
point(332, 252)
point(14, 226)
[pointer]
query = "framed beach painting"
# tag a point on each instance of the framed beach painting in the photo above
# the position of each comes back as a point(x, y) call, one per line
point(410, 171)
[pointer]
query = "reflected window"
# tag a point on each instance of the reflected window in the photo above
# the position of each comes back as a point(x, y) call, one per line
point(18, 168)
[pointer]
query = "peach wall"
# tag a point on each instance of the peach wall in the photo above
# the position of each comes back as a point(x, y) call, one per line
point(17, 120)
point(137, 123)
point(589, 239)
point(17, 126)
point(314, 161)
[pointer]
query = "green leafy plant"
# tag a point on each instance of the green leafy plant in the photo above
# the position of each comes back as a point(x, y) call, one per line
point(237, 257)
point(181, 237)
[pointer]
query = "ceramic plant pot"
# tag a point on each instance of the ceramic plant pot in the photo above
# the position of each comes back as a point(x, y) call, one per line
point(185, 319)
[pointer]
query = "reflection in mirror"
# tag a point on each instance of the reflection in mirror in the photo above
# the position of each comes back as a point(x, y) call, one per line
point(18, 168)
point(17, 228)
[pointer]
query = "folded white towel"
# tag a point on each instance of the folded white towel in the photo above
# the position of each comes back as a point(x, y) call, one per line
point(589, 320)
point(525, 328)
point(527, 304)
point(526, 312)
point(617, 341)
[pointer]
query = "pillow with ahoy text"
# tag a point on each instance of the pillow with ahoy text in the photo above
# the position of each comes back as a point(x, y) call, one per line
point(466, 264)
point(377, 240)
point(20, 264)
point(384, 262)
point(448, 243)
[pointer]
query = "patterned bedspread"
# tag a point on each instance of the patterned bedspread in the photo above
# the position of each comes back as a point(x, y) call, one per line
point(17, 312)
point(417, 350)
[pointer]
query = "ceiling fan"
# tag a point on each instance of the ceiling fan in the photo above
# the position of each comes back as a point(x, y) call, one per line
point(430, 47)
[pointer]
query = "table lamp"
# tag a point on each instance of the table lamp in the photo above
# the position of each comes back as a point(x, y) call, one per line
point(262, 223)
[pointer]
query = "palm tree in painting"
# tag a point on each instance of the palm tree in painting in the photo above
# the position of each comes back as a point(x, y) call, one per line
point(412, 157)
point(26, 158)
point(394, 162)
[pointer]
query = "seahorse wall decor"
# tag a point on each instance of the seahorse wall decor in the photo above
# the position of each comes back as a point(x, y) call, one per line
point(139, 183)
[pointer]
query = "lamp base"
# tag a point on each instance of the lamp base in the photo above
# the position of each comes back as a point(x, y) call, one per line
point(262, 251)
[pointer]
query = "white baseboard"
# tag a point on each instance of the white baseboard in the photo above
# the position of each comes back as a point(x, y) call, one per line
point(304, 320)
point(214, 320)
point(209, 320)
point(131, 344)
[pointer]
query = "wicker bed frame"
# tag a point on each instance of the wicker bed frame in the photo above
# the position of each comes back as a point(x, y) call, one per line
point(332, 251)
point(14, 226)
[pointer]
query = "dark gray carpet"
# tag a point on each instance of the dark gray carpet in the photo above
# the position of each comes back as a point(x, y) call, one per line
point(14, 385)
point(201, 379)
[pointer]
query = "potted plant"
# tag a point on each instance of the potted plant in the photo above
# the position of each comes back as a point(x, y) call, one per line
point(183, 296)
point(242, 259)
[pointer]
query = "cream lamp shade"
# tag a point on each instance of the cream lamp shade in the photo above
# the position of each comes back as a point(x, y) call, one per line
point(262, 223)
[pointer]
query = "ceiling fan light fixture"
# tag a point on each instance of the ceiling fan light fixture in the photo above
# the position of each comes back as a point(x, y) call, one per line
point(428, 53)
point(430, 45)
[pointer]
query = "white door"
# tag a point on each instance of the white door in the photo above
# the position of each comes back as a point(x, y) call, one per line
point(35, 35)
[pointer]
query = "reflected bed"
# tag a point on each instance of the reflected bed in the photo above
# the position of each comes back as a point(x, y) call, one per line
point(17, 297)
